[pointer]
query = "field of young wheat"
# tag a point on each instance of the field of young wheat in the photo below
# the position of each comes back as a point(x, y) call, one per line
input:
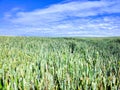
point(32, 63)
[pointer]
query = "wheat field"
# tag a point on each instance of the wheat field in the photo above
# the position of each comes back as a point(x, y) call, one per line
point(34, 63)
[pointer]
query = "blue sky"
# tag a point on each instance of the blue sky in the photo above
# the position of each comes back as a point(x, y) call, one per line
point(60, 18)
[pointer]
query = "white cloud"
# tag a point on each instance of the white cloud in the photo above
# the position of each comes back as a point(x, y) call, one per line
point(61, 11)
point(72, 18)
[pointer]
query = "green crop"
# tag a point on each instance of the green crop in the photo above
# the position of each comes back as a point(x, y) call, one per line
point(31, 63)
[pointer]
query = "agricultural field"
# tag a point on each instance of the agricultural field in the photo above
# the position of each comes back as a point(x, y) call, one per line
point(33, 63)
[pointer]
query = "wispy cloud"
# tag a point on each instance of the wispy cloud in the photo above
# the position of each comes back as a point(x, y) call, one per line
point(68, 19)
